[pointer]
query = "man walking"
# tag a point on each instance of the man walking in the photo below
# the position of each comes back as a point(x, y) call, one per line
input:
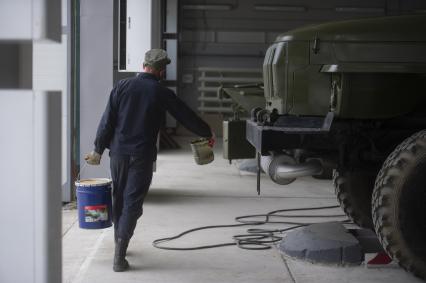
point(129, 128)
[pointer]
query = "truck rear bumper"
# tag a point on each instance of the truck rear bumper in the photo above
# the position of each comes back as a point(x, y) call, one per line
point(288, 132)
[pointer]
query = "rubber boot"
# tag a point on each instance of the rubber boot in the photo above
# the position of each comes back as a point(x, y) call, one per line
point(120, 262)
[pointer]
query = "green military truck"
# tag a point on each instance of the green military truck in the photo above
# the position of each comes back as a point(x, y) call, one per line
point(351, 96)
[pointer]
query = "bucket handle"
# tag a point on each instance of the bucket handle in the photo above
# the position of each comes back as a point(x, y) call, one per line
point(84, 167)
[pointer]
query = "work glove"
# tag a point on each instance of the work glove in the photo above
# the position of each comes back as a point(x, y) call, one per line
point(93, 158)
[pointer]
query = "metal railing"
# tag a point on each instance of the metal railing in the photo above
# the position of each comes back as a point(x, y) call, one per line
point(212, 79)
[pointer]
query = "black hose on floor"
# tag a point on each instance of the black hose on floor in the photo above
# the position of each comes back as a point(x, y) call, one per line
point(255, 239)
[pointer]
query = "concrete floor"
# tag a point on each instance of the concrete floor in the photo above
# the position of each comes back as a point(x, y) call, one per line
point(183, 196)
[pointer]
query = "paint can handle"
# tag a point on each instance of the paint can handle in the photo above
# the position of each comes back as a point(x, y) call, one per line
point(84, 167)
point(81, 170)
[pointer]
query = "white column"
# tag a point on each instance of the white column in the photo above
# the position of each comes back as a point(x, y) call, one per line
point(47, 186)
point(30, 144)
point(96, 75)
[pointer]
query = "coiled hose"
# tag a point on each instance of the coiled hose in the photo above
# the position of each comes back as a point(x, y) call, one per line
point(255, 239)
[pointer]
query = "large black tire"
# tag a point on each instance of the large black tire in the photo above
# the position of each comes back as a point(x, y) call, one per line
point(353, 190)
point(399, 204)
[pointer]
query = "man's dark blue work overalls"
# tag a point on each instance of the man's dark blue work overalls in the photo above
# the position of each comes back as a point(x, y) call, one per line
point(129, 128)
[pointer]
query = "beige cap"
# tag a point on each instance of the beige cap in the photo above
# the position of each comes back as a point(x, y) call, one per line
point(156, 58)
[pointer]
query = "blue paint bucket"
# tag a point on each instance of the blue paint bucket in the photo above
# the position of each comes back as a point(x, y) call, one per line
point(94, 203)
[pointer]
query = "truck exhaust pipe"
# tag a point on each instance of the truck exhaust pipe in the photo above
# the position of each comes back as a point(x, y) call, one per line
point(283, 169)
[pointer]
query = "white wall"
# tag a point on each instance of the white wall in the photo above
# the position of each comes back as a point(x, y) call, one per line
point(16, 137)
point(96, 76)
point(50, 72)
point(30, 144)
point(30, 170)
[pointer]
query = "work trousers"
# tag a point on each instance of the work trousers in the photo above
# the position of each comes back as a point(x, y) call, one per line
point(131, 178)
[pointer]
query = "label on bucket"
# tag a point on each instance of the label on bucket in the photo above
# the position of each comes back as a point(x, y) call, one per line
point(95, 213)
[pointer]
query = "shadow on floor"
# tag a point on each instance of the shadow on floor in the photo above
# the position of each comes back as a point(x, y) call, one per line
point(176, 196)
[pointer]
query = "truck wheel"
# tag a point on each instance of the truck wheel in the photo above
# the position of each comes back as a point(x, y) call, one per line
point(399, 210)
point(353, 190)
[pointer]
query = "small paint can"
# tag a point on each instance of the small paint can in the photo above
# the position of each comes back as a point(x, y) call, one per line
point(203, 153)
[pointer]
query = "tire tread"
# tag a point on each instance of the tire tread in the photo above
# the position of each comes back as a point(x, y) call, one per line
point(382, 201)
point(348, 203)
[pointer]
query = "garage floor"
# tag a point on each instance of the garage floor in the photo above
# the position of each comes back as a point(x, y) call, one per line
point(184, 196)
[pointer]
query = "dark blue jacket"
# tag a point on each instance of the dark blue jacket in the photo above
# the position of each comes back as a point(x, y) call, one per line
point(134, 114)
